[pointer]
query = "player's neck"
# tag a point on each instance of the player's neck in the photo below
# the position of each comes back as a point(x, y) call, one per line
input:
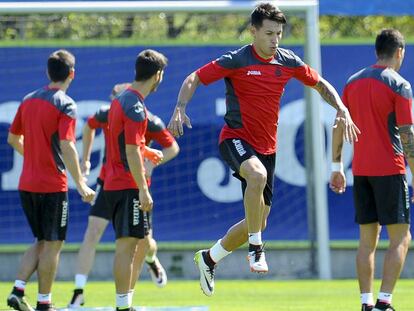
point(389, 63)
point(59, 85)
point(144, 88)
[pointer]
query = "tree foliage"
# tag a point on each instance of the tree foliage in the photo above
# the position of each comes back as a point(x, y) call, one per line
point(188, 27)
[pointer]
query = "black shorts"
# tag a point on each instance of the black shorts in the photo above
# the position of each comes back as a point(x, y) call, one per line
point(128, 220)
point(235, 151)
point(382, 199)
point(47, 214)
point(99, 206)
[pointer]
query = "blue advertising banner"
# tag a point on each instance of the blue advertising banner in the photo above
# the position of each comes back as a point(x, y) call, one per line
point(195, 196)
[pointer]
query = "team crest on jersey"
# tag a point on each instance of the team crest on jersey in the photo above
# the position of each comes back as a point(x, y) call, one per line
point(278, 72)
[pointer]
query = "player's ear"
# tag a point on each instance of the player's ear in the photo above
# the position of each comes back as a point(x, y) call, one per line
point(72, 73)
point(253, 30)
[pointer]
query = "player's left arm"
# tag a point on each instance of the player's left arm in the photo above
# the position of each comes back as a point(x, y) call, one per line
point(343, 118)
point(16, 141)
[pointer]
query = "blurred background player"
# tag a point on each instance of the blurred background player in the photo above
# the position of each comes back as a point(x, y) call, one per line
point(379, 100)
point(255, 76)
point(43, 131)
point(101, 213)
point(125, 187)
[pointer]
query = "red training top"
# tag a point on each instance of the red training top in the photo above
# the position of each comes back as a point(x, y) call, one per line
point(45, 117)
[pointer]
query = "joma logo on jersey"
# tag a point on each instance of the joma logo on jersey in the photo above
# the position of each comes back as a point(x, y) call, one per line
point(64, 218)
point(239, 147)
point(135, 212)
point(254, 73)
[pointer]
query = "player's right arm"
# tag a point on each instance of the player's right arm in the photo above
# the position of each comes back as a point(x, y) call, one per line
point(15, 136)
point(179, 116)
point(16, 141)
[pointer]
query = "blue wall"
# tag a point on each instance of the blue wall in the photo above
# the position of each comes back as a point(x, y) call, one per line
point(195, 196)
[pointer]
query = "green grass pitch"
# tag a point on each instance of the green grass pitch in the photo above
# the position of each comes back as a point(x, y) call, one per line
point(236, 295)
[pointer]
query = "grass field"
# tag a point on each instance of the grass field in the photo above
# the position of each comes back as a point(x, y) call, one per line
point(304, 295)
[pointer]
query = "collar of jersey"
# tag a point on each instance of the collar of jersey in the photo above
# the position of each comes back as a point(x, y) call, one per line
point(135, 92)
point(265, 60)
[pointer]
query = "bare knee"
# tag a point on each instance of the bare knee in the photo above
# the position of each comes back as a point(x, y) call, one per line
point(256, 178)
point(403, 241)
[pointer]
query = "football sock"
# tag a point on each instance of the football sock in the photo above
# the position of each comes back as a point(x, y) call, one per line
point(130, 296)
point(20, 285)
point(122, 301)
point(385, 297)
point(217, 252)
point(367, 298)
point(150, 258)
point(80, 281)
point(44, 299)
point(255, 238)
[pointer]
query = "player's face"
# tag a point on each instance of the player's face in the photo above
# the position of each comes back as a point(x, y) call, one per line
point(267, 38)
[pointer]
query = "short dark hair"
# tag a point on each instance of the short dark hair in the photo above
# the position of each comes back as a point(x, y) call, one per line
point(148, 63)
point(59, 65)
point(267, 11)
point(387, 42)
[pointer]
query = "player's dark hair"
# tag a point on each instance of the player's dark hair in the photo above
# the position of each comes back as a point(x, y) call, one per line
point(59, 65)
point(148, 63)
point(387, 42)
point(267, 11)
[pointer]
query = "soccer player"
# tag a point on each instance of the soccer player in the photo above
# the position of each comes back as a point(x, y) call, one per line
point(101, 213)
point(379, 100)
point(125, 187)
point(43, 131)
point(255, 76)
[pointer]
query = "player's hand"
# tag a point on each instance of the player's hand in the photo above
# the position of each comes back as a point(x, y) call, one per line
point(179, 117)
point(154, 155)
point(145, 199)
point(351, 131)
point(338, 182)
point(86, 193)
point(149, 167)
point(85, 168)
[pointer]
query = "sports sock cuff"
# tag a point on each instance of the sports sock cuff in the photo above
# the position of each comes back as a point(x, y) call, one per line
point(255, 238)
point(20, 285)
point(217, 252)
point(367, 298)
point(385, 297)
point(80, 280)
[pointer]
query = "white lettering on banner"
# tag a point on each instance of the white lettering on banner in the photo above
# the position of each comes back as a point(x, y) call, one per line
point(212, 171)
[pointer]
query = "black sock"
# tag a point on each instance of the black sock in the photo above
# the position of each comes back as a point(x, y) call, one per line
point(207, 259)
point(17, 292)
point(254, 248)
point(43, 306)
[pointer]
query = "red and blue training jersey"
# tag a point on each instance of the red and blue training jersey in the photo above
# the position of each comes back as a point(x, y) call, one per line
point(127, 121)
point(379, 100)
point(44, 118)
point(254, 87)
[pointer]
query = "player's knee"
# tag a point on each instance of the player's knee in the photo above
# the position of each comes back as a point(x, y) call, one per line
point(257, 178)
point(93, 234)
